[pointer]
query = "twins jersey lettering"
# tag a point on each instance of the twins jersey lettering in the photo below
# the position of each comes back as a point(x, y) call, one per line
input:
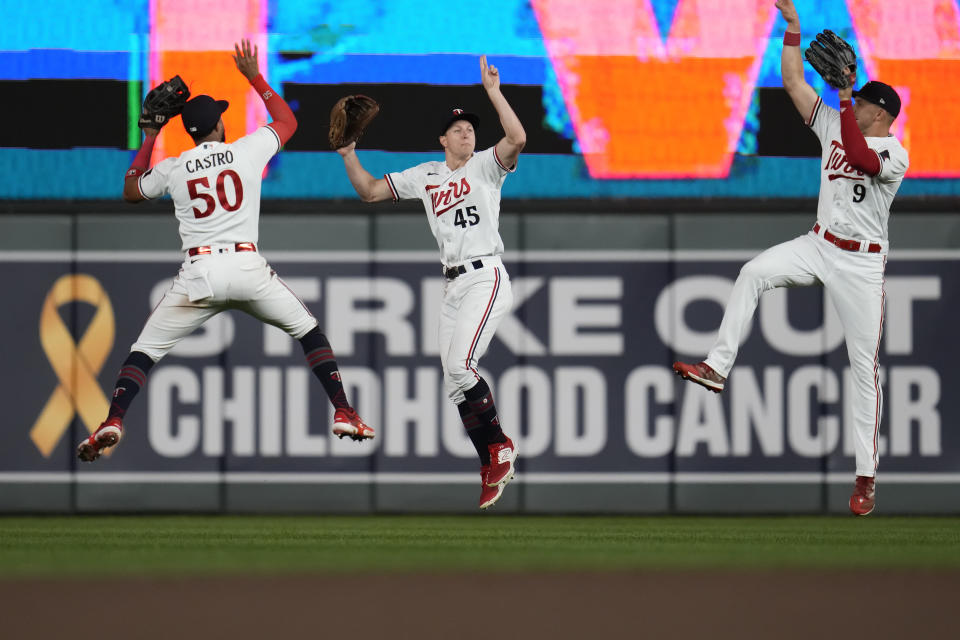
point(853, 204)
point(215, 188)
point(462, 206)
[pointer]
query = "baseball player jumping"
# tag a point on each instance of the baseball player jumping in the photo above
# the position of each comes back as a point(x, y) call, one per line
point(461, 196)
point(215, 189)
point(846, 251)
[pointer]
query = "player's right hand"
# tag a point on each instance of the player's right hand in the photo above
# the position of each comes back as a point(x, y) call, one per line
point(246, 59)
point(788, 11)
point(489, 75)
point(347, 150)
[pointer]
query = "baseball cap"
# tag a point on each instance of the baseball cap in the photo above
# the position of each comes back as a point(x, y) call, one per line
point(880, 94)
point(452, 115)
point(201, 114)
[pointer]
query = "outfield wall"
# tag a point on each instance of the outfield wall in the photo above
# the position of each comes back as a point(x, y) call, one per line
point(233, 421)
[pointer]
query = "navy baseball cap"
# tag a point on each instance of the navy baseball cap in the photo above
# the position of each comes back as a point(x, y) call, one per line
point(201, 114)
point(880, 94)
point(453, 115)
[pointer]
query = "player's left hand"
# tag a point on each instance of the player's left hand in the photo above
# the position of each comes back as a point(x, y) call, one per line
point(246, 59)
point(846, 94)
point(489, 75)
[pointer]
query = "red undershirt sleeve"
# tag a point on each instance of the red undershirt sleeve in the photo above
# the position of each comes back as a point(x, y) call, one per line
point(142, 160)
point(284, 122)
point(859, 155)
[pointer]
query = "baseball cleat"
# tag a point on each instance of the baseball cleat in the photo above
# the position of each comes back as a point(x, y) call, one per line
point(346, 422)
point(107, 435)
point(864, 497)
point(489, 495)
point(702, 374)
point(502, 458)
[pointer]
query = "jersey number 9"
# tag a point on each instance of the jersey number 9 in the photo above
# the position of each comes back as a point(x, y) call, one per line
point(211, 204)
point(859, 192)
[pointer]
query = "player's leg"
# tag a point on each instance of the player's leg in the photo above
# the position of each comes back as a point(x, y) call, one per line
point(272, 301)
point(484, 298)
point(796, 263)
point(445, 330)
point(174, 318)
point(856, 290)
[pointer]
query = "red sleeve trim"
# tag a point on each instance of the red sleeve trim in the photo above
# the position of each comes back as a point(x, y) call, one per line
point(272, 129)
point(393, 189)
point(496, 156)
point(140, 188)
point(814, 112)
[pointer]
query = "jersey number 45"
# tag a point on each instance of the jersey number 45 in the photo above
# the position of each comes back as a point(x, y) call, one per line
point(462, 221)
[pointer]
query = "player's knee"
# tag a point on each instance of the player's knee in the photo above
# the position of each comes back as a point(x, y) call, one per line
point(461, 377)
point(753, 271)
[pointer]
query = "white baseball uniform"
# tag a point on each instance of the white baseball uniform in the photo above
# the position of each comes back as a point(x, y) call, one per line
point(463, 210)
point(853, 211)
point(215, 189)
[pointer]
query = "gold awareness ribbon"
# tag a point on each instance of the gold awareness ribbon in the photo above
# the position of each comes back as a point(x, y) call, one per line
point(76, 364)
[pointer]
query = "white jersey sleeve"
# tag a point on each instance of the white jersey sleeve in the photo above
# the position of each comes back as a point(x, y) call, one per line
point(155, 183)
point(822, 119)
point(493, 170)
point(409, 183)
point(893, 158)
point(259, 146)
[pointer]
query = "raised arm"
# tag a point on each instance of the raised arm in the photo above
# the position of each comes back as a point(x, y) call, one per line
point(791, 63)
point(284, 122)
point(369, 189)
point(514, 139)
point(139, 166)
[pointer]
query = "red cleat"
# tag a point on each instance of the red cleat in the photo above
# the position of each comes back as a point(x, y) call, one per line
point(495, 476)
point(502, 458)
point(864, 497)
point(346, 422)
point(702, 374)
point(489, 495)
point(107, 435)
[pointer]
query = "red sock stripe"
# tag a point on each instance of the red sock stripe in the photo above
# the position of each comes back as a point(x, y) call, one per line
point(135, 374)
point(317, 354)
point(483, 404)
point(320, 360)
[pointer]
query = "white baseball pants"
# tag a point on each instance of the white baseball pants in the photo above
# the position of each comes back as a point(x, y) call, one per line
point(473, 305)
point(209, 284)
point(854, 283)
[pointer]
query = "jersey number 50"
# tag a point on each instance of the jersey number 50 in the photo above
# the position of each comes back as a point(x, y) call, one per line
point(221, 193)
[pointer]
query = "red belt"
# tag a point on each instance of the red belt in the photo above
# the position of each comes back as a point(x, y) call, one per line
point(240, 246)
point(846, 245)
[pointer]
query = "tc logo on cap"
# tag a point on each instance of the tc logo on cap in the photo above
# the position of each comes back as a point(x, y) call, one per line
point(457, 112)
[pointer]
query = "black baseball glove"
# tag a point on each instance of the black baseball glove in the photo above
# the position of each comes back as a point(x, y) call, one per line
point(833, 59)
point(163, 102)
point(349, 117)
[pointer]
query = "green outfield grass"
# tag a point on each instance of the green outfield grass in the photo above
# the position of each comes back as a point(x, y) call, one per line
point(153, 545)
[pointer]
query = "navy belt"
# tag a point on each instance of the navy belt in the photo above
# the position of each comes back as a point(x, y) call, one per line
point(454, 272)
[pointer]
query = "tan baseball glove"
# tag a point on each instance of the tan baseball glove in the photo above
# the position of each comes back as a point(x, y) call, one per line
point(349, 117)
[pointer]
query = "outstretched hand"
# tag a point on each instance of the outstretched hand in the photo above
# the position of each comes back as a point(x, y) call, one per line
point(347, 150)
point(788, 11)
point(489, 75)
point(246, 60)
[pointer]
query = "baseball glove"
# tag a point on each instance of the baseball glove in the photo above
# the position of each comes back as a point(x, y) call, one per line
point(833, 59)
point(163, 102)
point(349, 117)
